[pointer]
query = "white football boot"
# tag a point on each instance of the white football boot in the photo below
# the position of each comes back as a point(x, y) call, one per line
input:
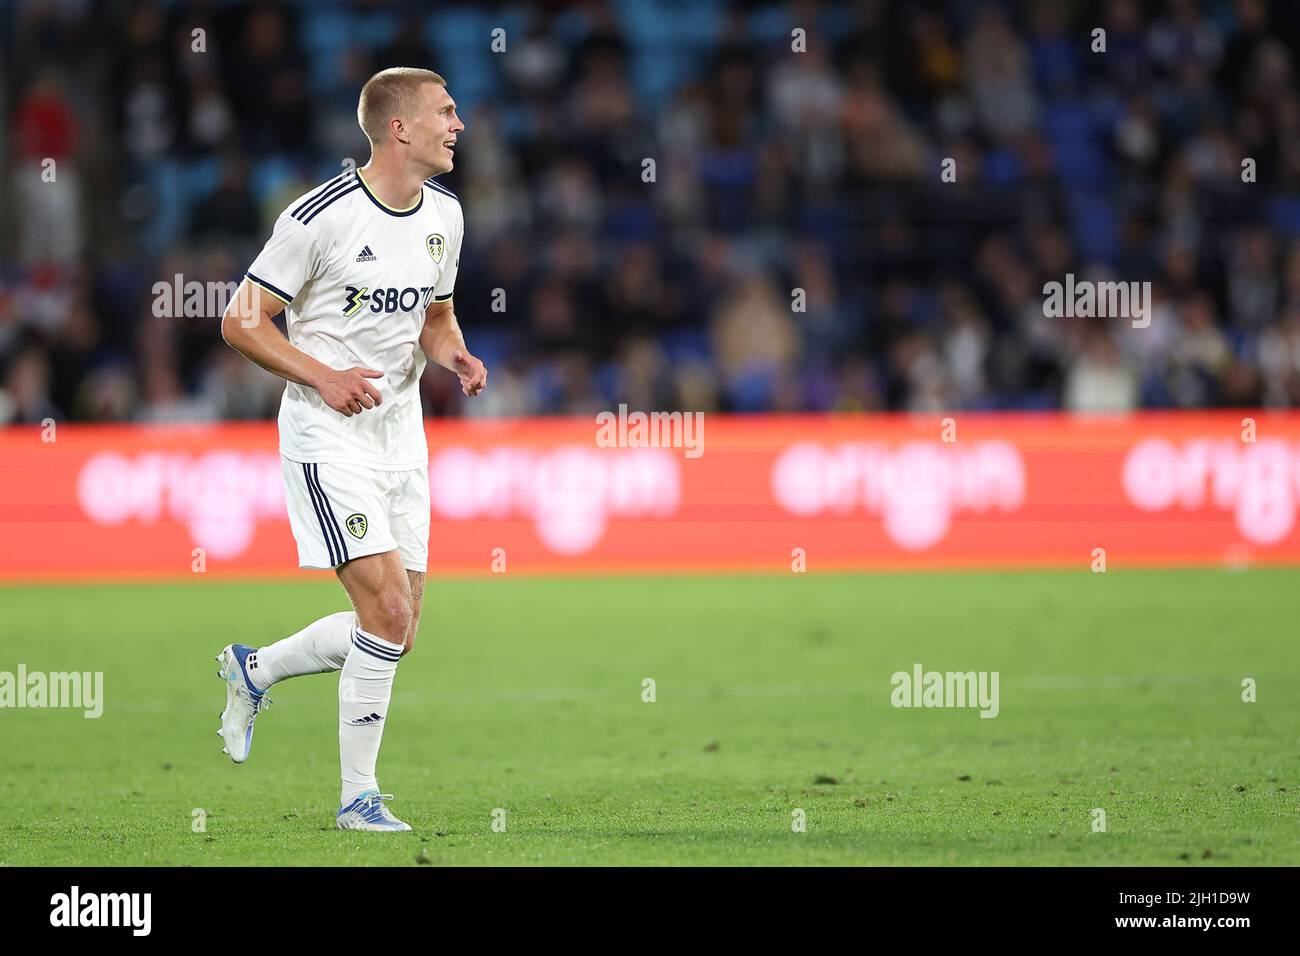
point(243, 702)
point(367, 812)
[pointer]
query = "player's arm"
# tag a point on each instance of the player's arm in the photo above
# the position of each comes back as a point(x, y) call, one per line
point(248, 328)
point(441, 340)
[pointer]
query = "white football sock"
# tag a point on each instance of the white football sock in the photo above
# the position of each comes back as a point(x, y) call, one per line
point(320, 647)
point(365, 686)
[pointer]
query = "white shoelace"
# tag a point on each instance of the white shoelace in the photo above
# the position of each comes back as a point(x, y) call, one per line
point(257, 703)
point(383, 810)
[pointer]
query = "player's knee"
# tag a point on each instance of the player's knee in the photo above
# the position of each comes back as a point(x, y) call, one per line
point(396, 613)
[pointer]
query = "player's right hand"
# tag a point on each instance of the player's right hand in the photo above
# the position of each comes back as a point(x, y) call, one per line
point(347, 391)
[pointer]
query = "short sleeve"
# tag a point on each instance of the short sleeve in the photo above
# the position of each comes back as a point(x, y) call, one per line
point(447, 281)
point(288, 261)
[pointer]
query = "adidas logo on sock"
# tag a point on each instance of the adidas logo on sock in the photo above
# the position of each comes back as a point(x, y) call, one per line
point(366, 255)
point(362, 721)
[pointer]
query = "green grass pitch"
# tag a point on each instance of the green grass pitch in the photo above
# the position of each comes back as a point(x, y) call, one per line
point(1119, 691)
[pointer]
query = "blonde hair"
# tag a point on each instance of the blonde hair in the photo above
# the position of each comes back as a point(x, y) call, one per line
point(387, 94)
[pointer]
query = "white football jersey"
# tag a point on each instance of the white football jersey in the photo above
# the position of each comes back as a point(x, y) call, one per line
point(356, 276)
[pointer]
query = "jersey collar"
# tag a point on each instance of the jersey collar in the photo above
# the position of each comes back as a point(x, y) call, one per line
point(410, 210)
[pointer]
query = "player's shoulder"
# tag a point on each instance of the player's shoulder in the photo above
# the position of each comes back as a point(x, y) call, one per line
point(324, 201)
point(440, 194)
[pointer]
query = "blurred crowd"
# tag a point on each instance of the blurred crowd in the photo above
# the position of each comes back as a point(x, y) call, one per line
point(794, 245)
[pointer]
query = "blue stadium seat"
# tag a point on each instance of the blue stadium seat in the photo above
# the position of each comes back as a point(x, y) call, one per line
point(686, 344)
point(1002, 167)
point(323, 34)
point(1094, 224)
point(165, 180)
point(752, 390)
point(608, 379)
point(492, 346)
point(201, 178)
point(269, 175)
point(1075, 139)
point(1284, 214)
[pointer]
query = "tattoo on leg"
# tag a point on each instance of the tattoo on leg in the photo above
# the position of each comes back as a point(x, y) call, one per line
point(417, 604)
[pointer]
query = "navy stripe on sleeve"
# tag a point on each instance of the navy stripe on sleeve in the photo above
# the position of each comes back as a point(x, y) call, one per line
point(278, 293)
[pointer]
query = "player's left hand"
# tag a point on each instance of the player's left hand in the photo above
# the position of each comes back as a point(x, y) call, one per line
point(472, 372)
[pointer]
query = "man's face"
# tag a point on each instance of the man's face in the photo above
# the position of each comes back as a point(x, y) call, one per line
point(434, 127)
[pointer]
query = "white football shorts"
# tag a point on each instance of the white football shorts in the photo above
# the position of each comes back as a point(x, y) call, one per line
point(340, 511)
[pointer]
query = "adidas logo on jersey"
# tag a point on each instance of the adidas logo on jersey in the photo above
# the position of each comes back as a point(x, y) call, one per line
point(362, 721)
point(367, 255)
